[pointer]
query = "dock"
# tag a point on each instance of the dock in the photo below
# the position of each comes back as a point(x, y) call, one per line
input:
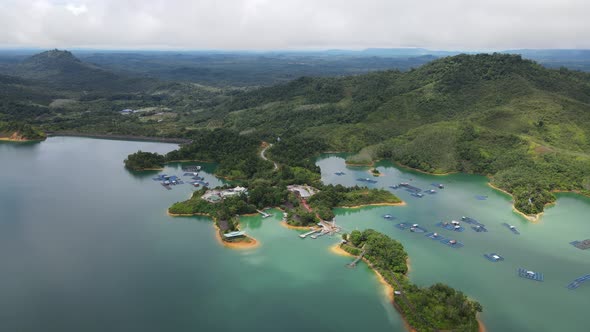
point(314, 230)
point(264, 214)
point(511, 228)
point(531, 275)
point(578, 282)
point(358, 259)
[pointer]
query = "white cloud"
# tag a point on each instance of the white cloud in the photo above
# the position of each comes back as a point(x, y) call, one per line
point(296, 24)
point(77, 9)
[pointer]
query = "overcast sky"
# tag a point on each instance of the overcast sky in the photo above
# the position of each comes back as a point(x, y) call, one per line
point(296, 24)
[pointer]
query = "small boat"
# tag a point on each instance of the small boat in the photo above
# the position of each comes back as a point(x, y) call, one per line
point(440, 186)
point(455, 222)
point(435, 234)
point(453, 242)
point(415, 225)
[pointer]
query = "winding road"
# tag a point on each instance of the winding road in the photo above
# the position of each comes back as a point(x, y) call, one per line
point(265, 158)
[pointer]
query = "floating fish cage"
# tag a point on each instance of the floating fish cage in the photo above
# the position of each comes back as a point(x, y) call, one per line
point(527, 274)
point(452, 244)
point(450, 227)
point(471, 221)
point(479, 229)
point(578, 282)
point(430, 191)
point(418, 229)
point(403, 226)
point(368, 180)
point(436, 237)
point(415, 194)
point(511, 228)
point(339, 173)
point(583, 245)
point(388, 217)
point(438, 185)
point(409, 187)
point(191, 168)
point(395, 186)
point(493, 257)
point(481, 197)
point(160, 177)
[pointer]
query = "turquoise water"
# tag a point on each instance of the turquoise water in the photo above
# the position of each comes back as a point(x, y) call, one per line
point(87, 246)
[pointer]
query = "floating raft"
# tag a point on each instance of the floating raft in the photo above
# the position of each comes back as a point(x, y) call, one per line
point(340, 173)
point(512, 228)
point(527, 274)
point(418, 229)
point(167, 186)
point(471, 221)
point(450, 227)
point(449, 243)
point(583, 245)
point(160, 177)
point(388, 217)
point(403, 226)
point(481, 197)
point(190, 174)
point(578, 282)
point(430, 191)
point(493, 257)
point(438, 185)
point(436, 237)
point(410, 187)
point(417, 195)
point(368, 180)
point(395, 186)
point(191, 168)
point(479, 229)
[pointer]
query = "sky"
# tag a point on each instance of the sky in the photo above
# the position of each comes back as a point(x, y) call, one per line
point(295, 24)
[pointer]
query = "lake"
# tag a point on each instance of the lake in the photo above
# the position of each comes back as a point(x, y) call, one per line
point(86, 245)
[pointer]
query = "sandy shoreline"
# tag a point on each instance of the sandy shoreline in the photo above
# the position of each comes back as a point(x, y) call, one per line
point(299, 228)
point(186, 214)
point(236, 245)
point(532, 218)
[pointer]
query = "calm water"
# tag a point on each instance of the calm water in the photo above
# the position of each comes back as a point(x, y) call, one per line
point(87, 246)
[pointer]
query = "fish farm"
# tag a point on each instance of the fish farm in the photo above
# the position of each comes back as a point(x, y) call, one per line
point(395, 186)
point(402, 226)
point(527, 274)
point(434, 236)
point(452, 243)
point(418, 229)
point(479, 229)
point(471, 221)
point(340, 173)
point(431, 191)
point(368, 180)
point(583, 245)
point(409, 187)
point(512, 228)
point(388, 217)
point(438, 185)
point(191, 168)
point(481, 197)
point(578, 282)
point(417, 195)
point(493, 257)
point(450, 226)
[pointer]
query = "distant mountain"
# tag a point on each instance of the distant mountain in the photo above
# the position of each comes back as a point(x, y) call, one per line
point(62, 70)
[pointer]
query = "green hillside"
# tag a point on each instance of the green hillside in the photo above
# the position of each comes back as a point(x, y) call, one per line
point(525, 125)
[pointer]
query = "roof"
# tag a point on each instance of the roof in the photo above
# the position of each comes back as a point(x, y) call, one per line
point(234, 234)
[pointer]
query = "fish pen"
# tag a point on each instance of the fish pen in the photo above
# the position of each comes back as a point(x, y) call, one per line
point(368, 180)
point(452, 243)
point(493, 257)
point(409, 187)
point(479, 229)
point(435, 236)
point(395, 186)
point(402, 226)
point(438, 185)
point(418, 229)
point(511, 228)
point(340, 173)
point(481, 197)
point(471, 221)
point(388, 217)
point(578, 282)
point(417, 195)
point(191, 168)
point(531, 275)
point(583, 245)
point(450, 227)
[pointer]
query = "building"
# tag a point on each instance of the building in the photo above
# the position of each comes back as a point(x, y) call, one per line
point(302, 191)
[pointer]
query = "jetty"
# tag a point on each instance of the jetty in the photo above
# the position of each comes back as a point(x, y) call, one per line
point(582, 245)
point(263, 214)
point(493, 257)
point(358, 259)
point(578, 282)
point(531, 275)
point(312, 231)
point(511, 228)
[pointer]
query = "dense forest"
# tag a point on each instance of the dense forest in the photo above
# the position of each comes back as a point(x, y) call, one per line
point(525, 126)
point(20, 131)
point(438, 307)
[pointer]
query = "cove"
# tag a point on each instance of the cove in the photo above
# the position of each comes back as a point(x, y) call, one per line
point(87, 245)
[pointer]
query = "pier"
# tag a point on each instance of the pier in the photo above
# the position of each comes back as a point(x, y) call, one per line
point(358, 259)
point(314, 230)
point(264, 214)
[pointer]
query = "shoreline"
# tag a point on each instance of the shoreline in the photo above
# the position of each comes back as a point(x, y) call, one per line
point(534, 218)
point(121, 137)
point(186, 214)
point(402, 203)
point(298, 228)
point(20, 140)
point(236, 245)
point(424, 172)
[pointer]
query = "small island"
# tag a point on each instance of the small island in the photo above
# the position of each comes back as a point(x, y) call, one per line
point(145, 161)
point(20, 132)
point(438, 307)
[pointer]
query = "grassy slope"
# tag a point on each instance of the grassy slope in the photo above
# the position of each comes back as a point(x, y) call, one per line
point(526, 126)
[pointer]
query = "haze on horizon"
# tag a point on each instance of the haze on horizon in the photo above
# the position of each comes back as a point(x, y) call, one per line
point(295, 24)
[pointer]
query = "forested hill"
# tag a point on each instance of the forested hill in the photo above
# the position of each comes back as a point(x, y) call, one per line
point(62, 70)
point(493, 114)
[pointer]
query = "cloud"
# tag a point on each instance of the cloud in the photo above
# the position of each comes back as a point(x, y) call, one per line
point(296, 24)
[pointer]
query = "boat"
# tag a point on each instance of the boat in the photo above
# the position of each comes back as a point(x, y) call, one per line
point(440, 186)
